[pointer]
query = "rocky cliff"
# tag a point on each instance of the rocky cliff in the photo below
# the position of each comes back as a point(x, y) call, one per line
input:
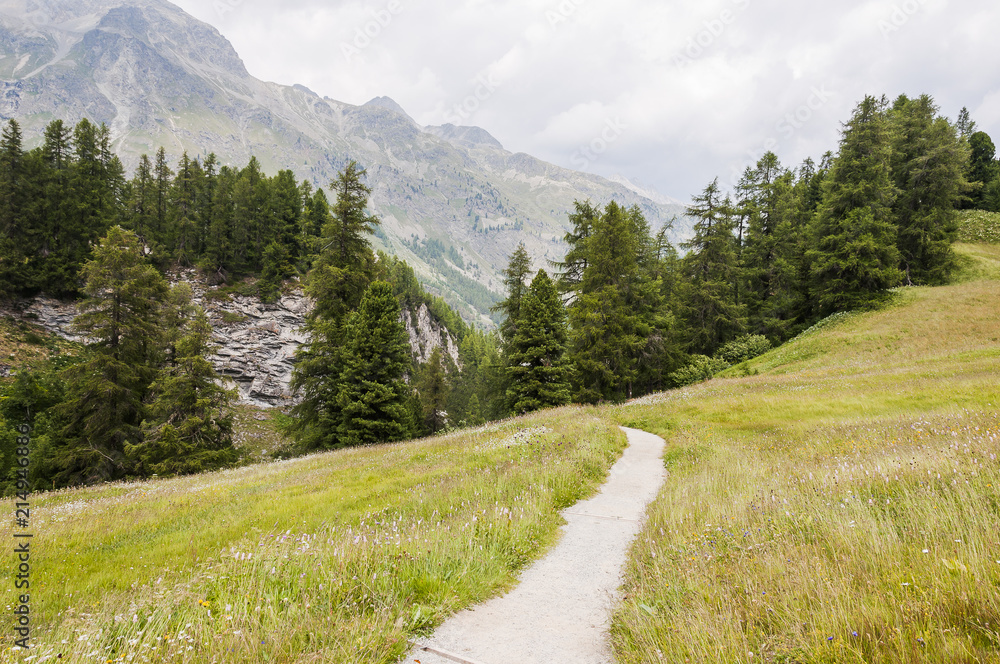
point(256, 342)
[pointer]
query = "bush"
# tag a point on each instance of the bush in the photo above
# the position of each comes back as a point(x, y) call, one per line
point(745, 348)
point(700, 369)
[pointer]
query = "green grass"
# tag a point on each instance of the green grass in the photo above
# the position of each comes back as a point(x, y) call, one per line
point(334, 557)
point(979, 227)
point(841, 506)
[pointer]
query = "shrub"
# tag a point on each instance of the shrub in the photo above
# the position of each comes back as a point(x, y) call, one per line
point(701, 368)
point(745, 348)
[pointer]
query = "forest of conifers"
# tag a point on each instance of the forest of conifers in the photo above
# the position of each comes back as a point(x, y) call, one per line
point(623, 315)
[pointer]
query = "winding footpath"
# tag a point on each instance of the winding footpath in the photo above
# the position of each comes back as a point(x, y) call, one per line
point(561, 610)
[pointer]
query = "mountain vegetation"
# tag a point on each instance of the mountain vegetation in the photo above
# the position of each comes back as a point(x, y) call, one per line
point(627, 314)
point(836, 504)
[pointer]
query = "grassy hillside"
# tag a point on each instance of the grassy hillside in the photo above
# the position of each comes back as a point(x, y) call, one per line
point(336, 557)
point(842, 505)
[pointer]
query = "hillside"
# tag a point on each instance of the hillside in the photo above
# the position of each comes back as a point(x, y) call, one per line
point(156, 76)
point(839, 504)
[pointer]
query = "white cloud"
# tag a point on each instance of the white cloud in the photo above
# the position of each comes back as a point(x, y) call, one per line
point(703, 88)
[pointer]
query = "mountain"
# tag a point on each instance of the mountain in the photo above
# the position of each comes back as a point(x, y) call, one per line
point(453, 201)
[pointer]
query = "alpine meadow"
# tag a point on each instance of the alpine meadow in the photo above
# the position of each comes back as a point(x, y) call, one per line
point(817, 344)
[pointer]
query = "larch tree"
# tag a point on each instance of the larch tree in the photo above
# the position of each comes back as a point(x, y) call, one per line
point(120, 317)
point(190, 423)
point(929, 160)
point(853, 257)
point(536, 357)
point(372, 395)
point(712, 314)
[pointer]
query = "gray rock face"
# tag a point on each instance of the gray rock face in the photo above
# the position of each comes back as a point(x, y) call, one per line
point(256, 342)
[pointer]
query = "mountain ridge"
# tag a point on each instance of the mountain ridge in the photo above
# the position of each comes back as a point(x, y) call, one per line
point(157, 76)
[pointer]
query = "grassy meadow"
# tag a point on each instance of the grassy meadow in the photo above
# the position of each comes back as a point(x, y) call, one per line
point(835, 500)
point(841, 504)
point(334, 557)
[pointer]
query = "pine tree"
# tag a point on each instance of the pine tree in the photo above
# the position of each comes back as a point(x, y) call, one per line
point(854, 259)
point(434, 389)
point(712, 315)
point(536, 357)
point(183, 216)
point(345, 262)
point(190, 423)
point(162, 177)
point(13, 234)
point(516, 284)
point(342, 271)
point(617, 310)
point(575, 263)
point(928, 163)
point(120, 317)
point(771, 260)
point(965, 126)
point(983, 168)
point(142, 203)
point(372, 395)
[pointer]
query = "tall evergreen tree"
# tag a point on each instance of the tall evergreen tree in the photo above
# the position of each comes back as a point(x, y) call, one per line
point(162, 177)
point(712, 315)
point(190, 423)
point(771, 260)
point(928, 163)
point(617, 306)
point(343, 268)
point(372, 395)
point(854, 259)
point(120, 317)
point(983, 168)
point(14, 236)
point(434, 390)
point(516, 284)
point(575, 263)
point(536, 357)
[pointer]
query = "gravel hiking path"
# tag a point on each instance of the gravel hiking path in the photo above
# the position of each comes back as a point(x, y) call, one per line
point(561, 610)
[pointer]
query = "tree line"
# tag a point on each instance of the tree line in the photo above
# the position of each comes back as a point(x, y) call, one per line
point(624, 314)
point(58, 199)
point(767, 260)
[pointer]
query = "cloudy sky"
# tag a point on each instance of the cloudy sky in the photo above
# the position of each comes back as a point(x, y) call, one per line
point(669, 94)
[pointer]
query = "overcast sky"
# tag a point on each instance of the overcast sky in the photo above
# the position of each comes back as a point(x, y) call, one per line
point(670, 94)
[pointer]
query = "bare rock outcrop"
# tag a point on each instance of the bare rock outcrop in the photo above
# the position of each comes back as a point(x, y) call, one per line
point(255, 342)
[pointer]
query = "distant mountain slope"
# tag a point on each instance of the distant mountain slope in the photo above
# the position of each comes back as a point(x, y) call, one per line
point(157, 76)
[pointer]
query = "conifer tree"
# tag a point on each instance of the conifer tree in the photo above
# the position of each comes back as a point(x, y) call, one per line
point(854, 259)
point(575, 263)
point(771, 260)
point(142, 202)
point(536, 356)
point(712, 315)
point(372, 396)
point(120, 317)
point(434, 390)
point(516, 283)
point(14, 236)
point(617, 307)
point(190, 423)
point(342, 270)
point(983, 168)
point(928, 164)
point(162, 178)
point(183, 217)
